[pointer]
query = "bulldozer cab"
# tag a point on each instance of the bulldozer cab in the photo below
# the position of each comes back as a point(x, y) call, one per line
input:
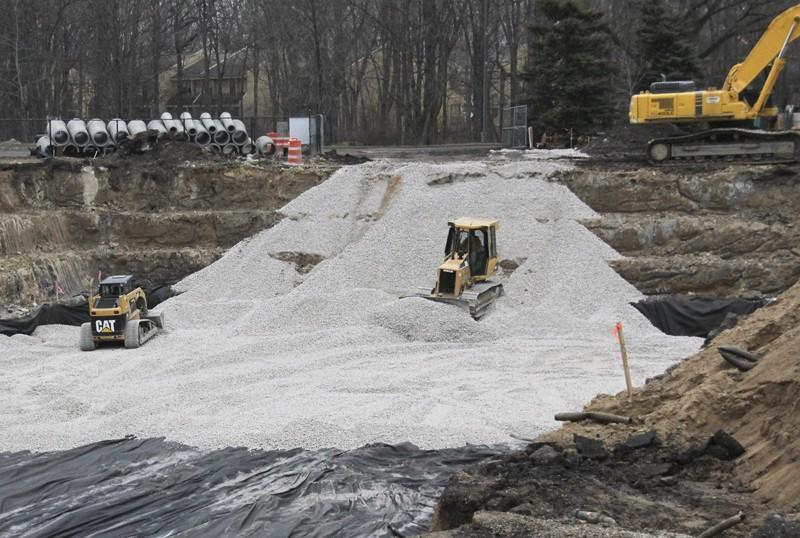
point(475, 241)
point(464, 276)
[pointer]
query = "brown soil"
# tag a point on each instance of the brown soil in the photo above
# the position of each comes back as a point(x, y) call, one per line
point(303, 261)
point(760, 408)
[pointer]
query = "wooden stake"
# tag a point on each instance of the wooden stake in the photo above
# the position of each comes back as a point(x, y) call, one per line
point(624, 352)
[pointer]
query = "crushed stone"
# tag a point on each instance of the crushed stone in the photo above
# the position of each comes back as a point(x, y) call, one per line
point(258, 354)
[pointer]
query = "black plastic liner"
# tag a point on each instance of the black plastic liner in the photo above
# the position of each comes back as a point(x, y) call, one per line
point(693, 316)
point(134, 487)
point(70, 314)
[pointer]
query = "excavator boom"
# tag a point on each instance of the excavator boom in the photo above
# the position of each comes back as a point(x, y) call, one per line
point(782, 31)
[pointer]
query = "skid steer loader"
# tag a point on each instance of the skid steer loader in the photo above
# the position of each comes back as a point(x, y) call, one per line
point(119, 315)
point(463, 278)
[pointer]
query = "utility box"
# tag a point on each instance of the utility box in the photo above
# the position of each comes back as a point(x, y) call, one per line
point(309, 132)
point(300, 128)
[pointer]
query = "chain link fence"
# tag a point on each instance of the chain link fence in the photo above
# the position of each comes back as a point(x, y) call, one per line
point(515, 127)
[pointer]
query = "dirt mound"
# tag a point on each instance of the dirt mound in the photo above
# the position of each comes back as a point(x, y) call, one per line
point(636, 486)
point(166, 153)
point(346, 158)
point(625, 141)
point(705, 394)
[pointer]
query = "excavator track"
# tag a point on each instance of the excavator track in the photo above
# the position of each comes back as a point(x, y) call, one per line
point(729, 145)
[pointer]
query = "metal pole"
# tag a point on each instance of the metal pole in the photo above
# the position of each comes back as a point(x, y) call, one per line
point(485, 46)
point(321, 134)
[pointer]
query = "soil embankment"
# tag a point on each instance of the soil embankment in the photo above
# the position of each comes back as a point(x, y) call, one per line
point(725, 231)
point(161, 216)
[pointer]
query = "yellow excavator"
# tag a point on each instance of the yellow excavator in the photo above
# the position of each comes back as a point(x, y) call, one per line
point(739, 103)
point(119, 314)
point(464, 277)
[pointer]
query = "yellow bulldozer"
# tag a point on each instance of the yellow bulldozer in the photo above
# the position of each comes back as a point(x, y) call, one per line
point(464, 277)
point(735, 119)
point(119, 314)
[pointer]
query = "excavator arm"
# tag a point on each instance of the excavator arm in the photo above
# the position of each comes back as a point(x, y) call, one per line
point(770, 49)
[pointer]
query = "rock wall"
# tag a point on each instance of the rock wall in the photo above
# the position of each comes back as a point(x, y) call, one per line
point(64, 220)
point(712, 230)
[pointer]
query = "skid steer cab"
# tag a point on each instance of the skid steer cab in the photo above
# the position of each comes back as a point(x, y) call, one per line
point(118, 314)
point(464, 276)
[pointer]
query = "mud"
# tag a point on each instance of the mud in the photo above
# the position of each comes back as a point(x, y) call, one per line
point(640, 485)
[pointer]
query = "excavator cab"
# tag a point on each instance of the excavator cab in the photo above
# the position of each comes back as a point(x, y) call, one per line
point(463, 277)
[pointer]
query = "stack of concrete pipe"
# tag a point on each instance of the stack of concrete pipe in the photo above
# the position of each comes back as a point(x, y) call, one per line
point(76, 137)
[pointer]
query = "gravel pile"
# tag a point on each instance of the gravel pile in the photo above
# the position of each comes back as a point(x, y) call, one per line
point(260, 355)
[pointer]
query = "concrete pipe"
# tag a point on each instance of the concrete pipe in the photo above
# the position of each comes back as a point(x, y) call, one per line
point(156, 128)
point(239, 135)
point(170, 124)
point(248, 147)
point(137, 130)
point(44, 147)
point(77, 130)
point(229, 149)
point(189, 125)
point(174, 127)
point(227, 122)
point(58, 133)
point(265, 146)
point(202, 137)
point(221, 136)
point(118, 130)
point(71, 150)
point(92, 151)
point(180, 133)
point(215, 148)
point(208, 123)
point(97, 130)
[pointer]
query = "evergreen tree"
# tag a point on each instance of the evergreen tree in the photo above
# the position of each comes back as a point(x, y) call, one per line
point(664, 45)
point(569, 70)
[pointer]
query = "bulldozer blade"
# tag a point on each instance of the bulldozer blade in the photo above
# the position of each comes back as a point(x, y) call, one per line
point(476, 300)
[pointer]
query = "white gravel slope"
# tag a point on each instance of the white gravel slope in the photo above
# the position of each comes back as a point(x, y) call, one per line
point(257, 354)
